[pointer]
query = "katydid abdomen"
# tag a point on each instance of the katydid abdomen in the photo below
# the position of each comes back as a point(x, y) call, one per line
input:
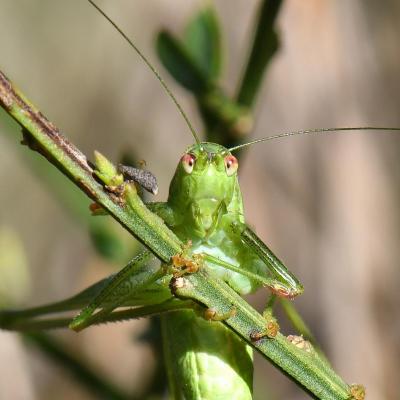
point(204, 359)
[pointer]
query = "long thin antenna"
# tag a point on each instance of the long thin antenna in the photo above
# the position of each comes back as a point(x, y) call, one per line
point(310, 132)
point(147, 62)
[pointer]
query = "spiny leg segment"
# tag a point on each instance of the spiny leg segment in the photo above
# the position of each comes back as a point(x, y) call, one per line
point(116, 290)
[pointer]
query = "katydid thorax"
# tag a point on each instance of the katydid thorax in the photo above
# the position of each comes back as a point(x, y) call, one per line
point(205, 206)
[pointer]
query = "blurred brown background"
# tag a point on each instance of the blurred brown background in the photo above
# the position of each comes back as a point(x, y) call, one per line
point(327, 205)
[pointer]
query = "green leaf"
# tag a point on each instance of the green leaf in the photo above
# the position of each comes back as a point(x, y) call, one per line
point(203, 41)
point(180, 64)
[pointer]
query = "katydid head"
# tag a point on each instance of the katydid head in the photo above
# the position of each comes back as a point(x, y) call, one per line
point(204, 185)
point(202, 158)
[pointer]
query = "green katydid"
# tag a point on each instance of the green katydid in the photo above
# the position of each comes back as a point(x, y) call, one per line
point(204, 207)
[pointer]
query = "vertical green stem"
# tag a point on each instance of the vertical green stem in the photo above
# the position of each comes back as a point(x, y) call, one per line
point(265, 45)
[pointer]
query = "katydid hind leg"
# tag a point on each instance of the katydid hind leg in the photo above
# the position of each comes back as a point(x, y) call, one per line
point(32, 318)
point(72, 303)
point(134, 277)
point(27, 324)
point(124, 295)
point(13, 317)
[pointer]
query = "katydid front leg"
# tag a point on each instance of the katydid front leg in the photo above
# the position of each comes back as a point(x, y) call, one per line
point(284, 284)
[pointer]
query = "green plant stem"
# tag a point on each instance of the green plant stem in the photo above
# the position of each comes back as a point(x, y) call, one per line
point(96, 384)
point(306, 369)
point(265, 44)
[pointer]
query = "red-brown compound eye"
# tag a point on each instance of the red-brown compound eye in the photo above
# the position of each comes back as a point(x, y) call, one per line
point(231, 165)
point(188, 160)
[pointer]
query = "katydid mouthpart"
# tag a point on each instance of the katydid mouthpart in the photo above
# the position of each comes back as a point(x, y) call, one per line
point(204, 209)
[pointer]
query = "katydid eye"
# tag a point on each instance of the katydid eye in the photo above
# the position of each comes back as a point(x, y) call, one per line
point(188, 160)
point(231, 165)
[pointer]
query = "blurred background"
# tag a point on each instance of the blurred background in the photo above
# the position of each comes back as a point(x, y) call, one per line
point(327, 205)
